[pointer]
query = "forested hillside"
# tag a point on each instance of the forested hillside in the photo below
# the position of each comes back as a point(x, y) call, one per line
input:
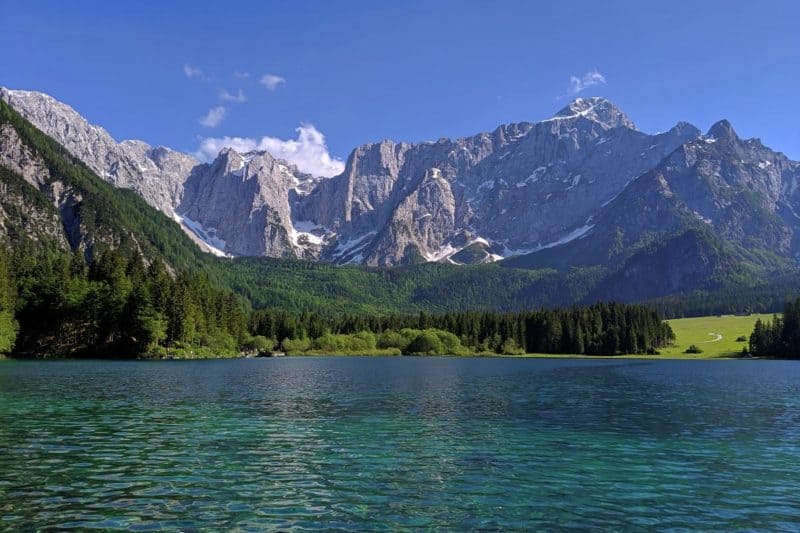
point(90, 210)
point(54, 304)
point(117, 306)
point(299, 286)
point(432, 287)
point(92, 270)
point(87, 269)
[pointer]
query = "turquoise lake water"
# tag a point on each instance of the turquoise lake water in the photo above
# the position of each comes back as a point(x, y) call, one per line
point(400, 443)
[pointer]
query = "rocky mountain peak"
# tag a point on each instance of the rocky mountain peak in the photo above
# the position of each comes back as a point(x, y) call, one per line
point(229, 161)
point(517, 189)
point(599, 110)
point(157, 176)
point(723, 131)
point(686, 128)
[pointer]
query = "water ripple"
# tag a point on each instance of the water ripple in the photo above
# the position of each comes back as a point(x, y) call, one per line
point(399, 444)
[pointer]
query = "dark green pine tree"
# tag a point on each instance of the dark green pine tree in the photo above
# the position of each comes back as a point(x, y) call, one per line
point(790, 335)
point(143, 327)
point(8, 323)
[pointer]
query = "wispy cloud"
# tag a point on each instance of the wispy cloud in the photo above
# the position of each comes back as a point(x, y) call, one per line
point(240, 74)
point(578, 84)
point(238, 98)
point(308, 151)
point(194, 72)
point(271, 81)
point(214, 117)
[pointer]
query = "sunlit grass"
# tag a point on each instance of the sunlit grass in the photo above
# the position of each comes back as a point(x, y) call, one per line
point(700, 331)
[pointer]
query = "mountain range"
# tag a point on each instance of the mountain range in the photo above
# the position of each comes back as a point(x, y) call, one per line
point(633, 215)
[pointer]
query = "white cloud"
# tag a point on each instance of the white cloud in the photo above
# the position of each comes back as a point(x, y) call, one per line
point(240, 74)
point(194, 72)
point(578, 84)
point(308, 152)
point(214, 117)
point(271, 81)
point(239, 97)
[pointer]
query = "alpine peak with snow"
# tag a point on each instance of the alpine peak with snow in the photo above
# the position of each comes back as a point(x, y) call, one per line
point(583, 187)
point(596, 109)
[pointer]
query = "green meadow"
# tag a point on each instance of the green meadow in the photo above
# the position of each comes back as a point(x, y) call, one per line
point(715, 335)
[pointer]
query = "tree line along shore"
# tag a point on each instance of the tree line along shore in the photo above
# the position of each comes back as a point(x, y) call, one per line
point(54, 304)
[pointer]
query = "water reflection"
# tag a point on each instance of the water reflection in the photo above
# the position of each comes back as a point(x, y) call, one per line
point(396, 443)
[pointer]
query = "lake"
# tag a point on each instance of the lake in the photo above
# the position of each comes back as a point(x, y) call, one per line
point(400, 443)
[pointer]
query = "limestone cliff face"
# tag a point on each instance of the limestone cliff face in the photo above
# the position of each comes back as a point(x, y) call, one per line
point(243, 211)
point(367, 182)
point(743, 190)
point(17, 157)
point(34, 202)
point(244, 204)
point(518, 189)
point(419, 227)
point(156, 174)
point(17, 212)
point(691, 219)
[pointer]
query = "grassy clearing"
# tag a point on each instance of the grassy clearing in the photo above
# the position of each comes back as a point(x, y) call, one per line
point(702, 332)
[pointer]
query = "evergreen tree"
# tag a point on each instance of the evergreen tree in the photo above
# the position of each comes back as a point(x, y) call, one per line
point(143, 327)
point(8, 323)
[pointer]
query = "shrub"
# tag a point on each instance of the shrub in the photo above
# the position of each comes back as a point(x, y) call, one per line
point(329, 343)
point(158, 352)
point(741, 338)
point(426, 343)
point(450, 342)
point(432, 342)
point(221, 344)
point(510, 347)
point(363, 341)
point(258, 343)
point(694, 349)
point(295, 345)
point(393, 339)
point(410, 334)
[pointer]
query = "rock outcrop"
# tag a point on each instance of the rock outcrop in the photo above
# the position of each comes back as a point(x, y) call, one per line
point(520, 189)
point(156, 174)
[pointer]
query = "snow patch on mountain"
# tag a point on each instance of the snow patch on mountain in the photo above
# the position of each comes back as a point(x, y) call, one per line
point(577, 233)
point(210, 242)
point(302, 234)
point(345, 249)
point(442, 253)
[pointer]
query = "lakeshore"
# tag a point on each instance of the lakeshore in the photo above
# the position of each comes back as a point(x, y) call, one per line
point(719, 337)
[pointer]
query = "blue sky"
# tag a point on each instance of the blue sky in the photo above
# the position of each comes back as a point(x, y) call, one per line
point(363, 71)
